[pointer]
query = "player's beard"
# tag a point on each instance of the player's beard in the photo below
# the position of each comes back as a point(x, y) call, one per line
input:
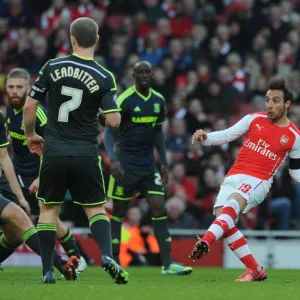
point(16, 102)
point(276, 117)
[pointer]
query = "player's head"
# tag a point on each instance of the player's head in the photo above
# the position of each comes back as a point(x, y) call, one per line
point(17, 87)
point(278, 99)
point(84, 33)
point(142, 74)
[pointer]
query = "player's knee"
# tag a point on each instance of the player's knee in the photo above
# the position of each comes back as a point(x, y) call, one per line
point(119, 208)
point(157, 205)
point(15, 220)
point(12, 241)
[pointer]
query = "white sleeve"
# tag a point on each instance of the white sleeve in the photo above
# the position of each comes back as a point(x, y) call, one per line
point(294, 160)
point(230, 134)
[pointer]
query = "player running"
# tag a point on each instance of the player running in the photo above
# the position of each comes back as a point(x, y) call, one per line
point(133, 166)
point(15, 224)
point(270, 138)
point(27, 164)
point(77, 86)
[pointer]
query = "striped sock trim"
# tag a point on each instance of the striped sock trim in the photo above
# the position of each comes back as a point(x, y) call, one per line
point(46, 227)
point(98, 217)
point(159, 218)
point(120, 220)
point(28, 234)
point(4, 245)
point(66, 238)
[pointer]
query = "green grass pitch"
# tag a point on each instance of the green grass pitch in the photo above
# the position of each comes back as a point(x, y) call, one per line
point(148, 284)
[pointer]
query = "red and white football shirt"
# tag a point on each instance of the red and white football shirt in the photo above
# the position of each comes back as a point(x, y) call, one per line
point(264, 148)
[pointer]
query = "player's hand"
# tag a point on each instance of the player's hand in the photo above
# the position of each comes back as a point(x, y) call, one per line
point(116, 170)
point(199, 136)
point(101, 117)
point(34, 186)
point(24, 205)
point(164, 174)
point(35, 143)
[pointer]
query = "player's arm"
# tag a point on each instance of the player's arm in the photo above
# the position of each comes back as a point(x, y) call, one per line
point(29, 115)
point(110, 138)
point(294, 161)
point(224, 136)
point(159, 142)
point(37, 94)
point(110, 110)
point(7, 166)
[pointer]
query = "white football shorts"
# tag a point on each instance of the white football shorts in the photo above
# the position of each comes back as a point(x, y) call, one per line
point(253, 189)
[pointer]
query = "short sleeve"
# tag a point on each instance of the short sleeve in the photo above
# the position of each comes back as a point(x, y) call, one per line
point(41, 121)
point(3, 131)
point(109, 99)
point(41, 86)
point(41, 114)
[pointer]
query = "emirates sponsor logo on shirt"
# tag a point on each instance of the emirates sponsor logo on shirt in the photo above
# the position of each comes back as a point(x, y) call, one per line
point(284, 139)
point(261, 147)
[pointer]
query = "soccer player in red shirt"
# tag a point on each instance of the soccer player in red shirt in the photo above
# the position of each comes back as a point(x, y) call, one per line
point(269, 138)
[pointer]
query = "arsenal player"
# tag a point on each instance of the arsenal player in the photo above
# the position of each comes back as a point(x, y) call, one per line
point(269, 138)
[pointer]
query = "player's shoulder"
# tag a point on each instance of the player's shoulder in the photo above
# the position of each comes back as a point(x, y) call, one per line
point(52, 62)
point(258, 114)
point(293, 128)
point(126, 94)
point(105, 73)
point(255, 116)
point(157, 95)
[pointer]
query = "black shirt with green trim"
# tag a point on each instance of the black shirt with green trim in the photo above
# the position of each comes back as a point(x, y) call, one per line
point(76, 88)
point(25, 162)
point(3, 131)
point(140, 116)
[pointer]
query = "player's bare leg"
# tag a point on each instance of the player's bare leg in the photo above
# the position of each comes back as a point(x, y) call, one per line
point(161, 232)
point(65, 237)
point(47, 235)
point(100, 228)
point(224, 226)
point(17, 229)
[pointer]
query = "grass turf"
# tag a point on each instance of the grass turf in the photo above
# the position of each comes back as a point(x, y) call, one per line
point(148, 284)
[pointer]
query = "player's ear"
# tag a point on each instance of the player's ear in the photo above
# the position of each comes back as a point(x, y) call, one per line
point(288, 104)
point(28, 89)
point(97, 38)
point(73, 41)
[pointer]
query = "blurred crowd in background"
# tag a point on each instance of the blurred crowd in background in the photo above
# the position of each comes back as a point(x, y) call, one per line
point(212, 62)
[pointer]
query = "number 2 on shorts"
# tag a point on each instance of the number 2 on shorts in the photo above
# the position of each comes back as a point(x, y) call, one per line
point(245, 188)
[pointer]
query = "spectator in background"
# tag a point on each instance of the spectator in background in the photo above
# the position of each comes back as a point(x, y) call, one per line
point(194, 159)
point(153, 52)
point(154, 11)
point(179, 138)
point(214, 56)
point(50, 18)
point(180, 185)
point(138, 245)
point(116, 60)
point(177, 216)
point(16, 14)
point(195, 117)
